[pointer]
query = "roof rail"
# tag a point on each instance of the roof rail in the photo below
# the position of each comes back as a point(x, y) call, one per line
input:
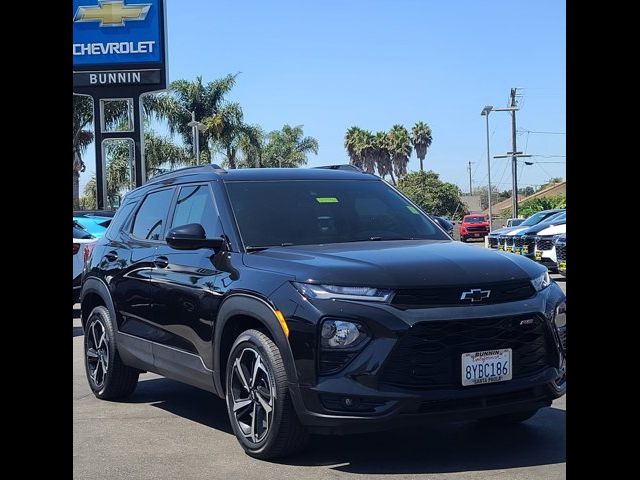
point(215, 167)
point(344, 166)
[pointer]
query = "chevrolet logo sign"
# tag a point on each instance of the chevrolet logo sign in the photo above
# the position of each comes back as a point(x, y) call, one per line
point(112, 13)
point(475, 295)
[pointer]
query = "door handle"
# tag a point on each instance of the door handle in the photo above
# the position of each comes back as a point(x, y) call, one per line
point(111, 256)
point(161, 262)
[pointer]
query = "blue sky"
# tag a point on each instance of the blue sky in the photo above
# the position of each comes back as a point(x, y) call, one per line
point(331, 64)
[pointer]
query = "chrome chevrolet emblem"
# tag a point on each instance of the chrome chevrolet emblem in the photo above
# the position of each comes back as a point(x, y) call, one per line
point(475, 295)
point(112, 13)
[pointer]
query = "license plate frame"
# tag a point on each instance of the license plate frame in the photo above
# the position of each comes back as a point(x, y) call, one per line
point(538, 255)
point(486, 366)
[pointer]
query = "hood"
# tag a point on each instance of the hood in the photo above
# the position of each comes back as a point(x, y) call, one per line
point(554, 229)
point(505, 230)
point(539, 228)
point(394, 264)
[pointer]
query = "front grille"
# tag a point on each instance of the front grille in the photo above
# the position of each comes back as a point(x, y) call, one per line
point(455, 404)
point(493, 242)
point(428, 356)
point(561, 252)
point(477, 229)
point(518, 241)
point(544, 243)
point(529, 243)
point(502, 292)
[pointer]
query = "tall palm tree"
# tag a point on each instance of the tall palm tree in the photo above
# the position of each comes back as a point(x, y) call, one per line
point(350, 144)
point(400, 149)
point(288, 147)
point(206, 100)
point(421, 139)
point(382, 155)
point(365, 149)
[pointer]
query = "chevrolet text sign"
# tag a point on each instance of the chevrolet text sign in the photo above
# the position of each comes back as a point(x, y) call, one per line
point(119, 42)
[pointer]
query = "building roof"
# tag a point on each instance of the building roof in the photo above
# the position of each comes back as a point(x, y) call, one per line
point(550, 191)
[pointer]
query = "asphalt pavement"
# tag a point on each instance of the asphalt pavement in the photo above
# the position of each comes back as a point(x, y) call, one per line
point(168, 430)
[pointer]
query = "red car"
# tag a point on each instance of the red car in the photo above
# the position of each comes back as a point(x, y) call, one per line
point(474, 226)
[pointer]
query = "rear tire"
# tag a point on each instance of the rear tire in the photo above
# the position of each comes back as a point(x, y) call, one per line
point(510, 418)
point(108, 377)
point(261, 392)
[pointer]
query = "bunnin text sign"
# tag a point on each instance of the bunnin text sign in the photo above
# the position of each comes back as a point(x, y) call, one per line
point(118, 43)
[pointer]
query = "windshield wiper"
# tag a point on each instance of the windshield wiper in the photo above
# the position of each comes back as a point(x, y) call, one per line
point(253, 248)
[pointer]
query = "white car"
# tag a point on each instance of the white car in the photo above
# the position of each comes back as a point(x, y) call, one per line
point(545, 249)
point(81, 238)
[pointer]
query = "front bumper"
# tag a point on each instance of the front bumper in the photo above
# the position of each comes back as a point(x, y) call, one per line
point(321, 401)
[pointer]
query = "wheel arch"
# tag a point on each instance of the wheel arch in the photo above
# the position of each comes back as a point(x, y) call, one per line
point(95, 292)
point(239, 312)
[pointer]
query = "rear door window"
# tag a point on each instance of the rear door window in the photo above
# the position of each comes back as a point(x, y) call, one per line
point(150, 221)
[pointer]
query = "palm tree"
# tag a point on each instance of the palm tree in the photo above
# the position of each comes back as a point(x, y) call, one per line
point(207, 101)
point(421, 139)
point(364, 146)
point(229, 133)
point(382, 155)
point(400, 149)
point(288, 148)
point(350, 143)
point(251, 147)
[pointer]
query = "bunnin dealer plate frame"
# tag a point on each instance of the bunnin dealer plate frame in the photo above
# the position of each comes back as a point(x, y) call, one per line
point(119, 52)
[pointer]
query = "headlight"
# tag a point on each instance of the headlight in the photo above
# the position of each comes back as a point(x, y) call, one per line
point(341, 334)
point(326, 292)
point(541, 282)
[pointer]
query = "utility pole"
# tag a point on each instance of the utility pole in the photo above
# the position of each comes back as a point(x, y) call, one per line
point(470, 190)
point(514, 158)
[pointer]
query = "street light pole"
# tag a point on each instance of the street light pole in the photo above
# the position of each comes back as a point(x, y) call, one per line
point(485, 112)
point(195, 128)
point(470, 189)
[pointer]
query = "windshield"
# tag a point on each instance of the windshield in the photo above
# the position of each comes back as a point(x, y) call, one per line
point(474, 219)
point(516, 221)
point(558, 217)
point(311, 212)
point(536, 218)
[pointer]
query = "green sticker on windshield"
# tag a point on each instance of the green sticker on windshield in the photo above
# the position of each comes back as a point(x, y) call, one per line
point(413, 209)
point(326, 200)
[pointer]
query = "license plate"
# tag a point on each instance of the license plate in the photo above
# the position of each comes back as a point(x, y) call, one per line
point(508, 248)
point(476, 234)
point(516, 251)
point(562, 265)
point(525, 249)
point(489, 366)
point(538, 256)
point(500, 247)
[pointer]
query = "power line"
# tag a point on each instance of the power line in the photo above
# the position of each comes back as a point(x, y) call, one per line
point(523, 131)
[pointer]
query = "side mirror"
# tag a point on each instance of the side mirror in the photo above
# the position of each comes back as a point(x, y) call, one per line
point(191, 237)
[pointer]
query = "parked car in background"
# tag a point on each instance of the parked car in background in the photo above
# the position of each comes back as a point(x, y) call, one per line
point(446, 225)
point(81, 238)
point(497, 238)
point(561, 253)
point(514, 222)
point(545, 251)
point(473, 226)
point(524, 241)
point(96, 225)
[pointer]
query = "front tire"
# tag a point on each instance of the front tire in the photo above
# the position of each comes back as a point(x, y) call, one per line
point(258, 399)
point(108, 377)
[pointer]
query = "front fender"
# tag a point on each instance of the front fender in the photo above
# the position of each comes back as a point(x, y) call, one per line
point(262, 310)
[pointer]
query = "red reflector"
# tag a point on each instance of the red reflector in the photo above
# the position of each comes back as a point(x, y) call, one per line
point(76, 247)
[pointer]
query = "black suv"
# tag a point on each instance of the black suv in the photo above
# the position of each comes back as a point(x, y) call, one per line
point(315, 301)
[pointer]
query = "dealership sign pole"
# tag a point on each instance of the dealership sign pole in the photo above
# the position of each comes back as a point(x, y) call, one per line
point(119, 54)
